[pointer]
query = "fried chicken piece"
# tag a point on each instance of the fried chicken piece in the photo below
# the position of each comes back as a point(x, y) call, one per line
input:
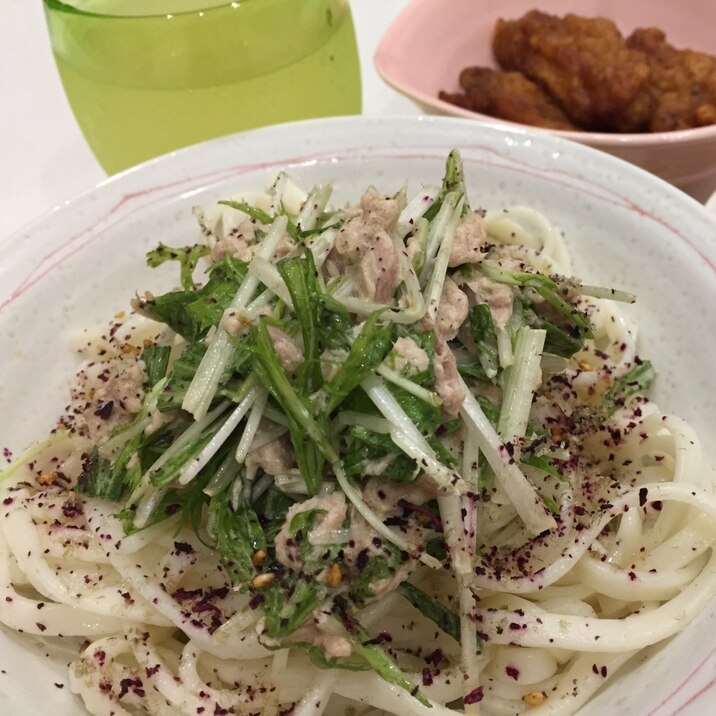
point(584, 64)
point(683, 82)
point(508, 95)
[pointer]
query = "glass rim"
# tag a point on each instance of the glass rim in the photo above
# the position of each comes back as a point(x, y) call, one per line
point(211, 5)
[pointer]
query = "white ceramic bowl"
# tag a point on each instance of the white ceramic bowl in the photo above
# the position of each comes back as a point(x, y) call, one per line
point(431, 41)
point(82, 262)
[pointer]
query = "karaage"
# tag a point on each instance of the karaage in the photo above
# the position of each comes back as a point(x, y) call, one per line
point(582, 73)
point(508, 95)
point(683, 82)
point(584, 63)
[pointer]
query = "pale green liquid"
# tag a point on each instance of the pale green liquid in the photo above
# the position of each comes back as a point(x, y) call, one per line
point(143, 8)
point(143, 87)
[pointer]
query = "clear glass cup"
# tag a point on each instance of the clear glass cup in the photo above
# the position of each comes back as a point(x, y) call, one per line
point(144, 77)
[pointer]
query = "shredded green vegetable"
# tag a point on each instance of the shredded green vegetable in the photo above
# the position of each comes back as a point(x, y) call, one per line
point(359, 455)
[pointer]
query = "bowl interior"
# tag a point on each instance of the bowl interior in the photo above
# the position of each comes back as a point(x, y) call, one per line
point(83, 262)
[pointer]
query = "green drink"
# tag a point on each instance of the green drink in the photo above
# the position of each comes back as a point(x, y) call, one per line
point(148, 76)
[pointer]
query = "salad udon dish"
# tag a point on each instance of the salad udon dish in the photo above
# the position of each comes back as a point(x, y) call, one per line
point(385, 458)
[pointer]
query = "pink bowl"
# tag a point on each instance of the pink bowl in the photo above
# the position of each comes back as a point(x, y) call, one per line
point(432, 40)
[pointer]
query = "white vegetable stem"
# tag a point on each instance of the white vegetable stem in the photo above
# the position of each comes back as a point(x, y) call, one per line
point(523, 376)
point(74, 444)
point(206, 379)
point(313, 207)
point(363, 420)
point(415, 209)
point(461, 554)
point(223, 477)
point(191, 470)
point(408, 438)
point(504, 349)
point(434, 289)
point(471, 475)
point(409, 386)
point(436, 233)
point(469, 648)
point(266, 273)
point(277, 191)
point(418, 242)
point(412, 299)
point(190, 434)
point(517, 487)
point(611, 294)
point(455, 537)
point(344, 294)
point(252, 424)
point(254, 309)
point(147, 505)
point(320, 246)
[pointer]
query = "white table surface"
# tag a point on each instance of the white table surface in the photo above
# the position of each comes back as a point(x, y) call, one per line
point(44, 159)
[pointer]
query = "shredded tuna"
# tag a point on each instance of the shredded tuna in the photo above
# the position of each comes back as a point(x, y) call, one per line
point(380, 210)
point(382, 495)
point(289, 354)
point(470, 236)
point(408, 358)
point(498, 296)
point(447, 380)
point(239, 243)
point(376, 214)
point(363, 539)
point(364, 241)
point(379, 269)
point(274, 458)
point(452, 310)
